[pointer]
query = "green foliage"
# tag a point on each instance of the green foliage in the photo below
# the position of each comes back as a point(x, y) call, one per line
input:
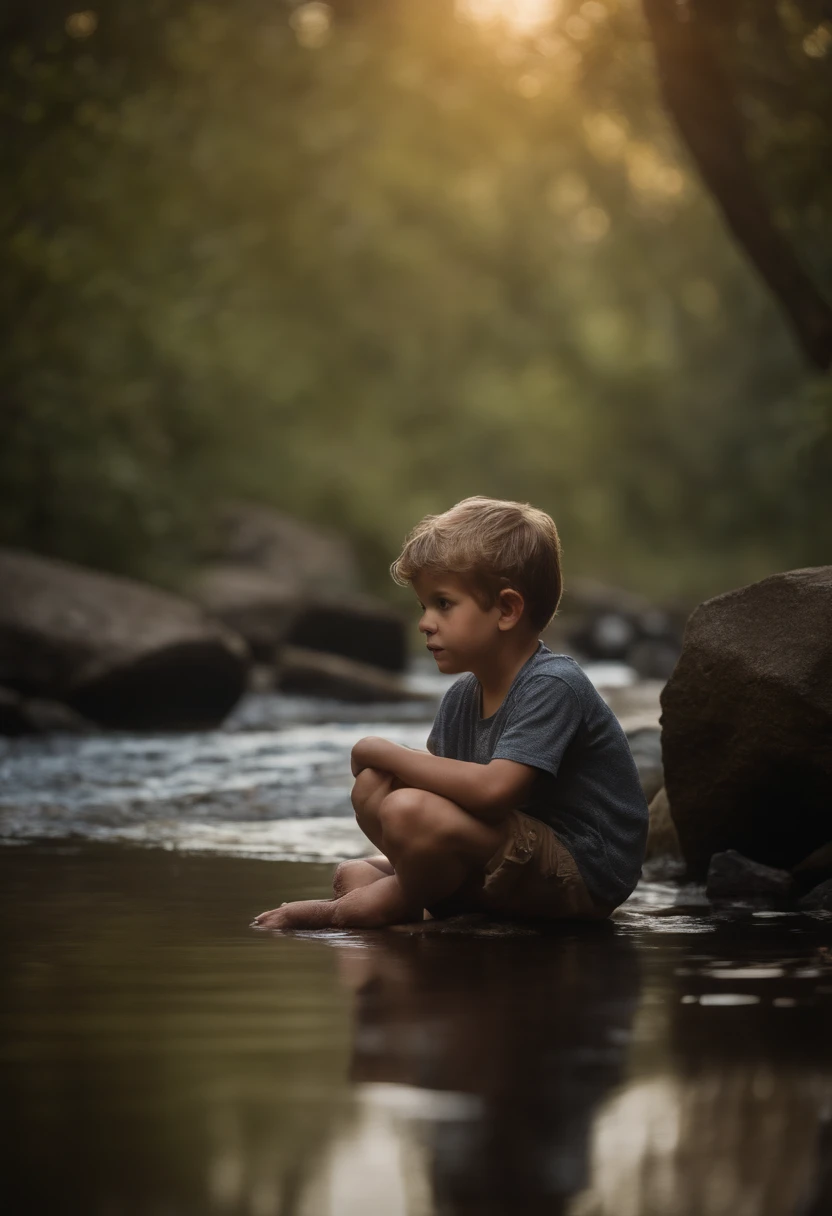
point(361, 268)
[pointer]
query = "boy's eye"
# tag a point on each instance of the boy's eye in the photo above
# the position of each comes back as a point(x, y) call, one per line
point(443, 603)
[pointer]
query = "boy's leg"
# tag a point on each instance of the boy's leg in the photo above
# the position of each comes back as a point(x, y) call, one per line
point(369, 907)
point(435, 847)
point(369, 791)
point(350, 875)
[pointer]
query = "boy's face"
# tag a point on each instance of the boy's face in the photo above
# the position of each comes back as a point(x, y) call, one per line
point(458, 631)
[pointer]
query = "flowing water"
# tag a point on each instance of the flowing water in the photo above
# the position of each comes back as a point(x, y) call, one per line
point(159, 1057)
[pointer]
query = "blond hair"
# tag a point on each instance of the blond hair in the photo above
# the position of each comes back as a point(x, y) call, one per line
point(493, 545)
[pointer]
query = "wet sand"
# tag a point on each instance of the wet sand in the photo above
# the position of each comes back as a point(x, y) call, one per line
point(158, 1056)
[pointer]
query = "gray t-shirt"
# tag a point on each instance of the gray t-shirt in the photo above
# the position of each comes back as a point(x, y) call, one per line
point(587, 787)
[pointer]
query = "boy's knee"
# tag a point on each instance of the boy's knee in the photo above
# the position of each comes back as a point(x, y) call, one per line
point(409, 822)
point(365, 785)
point(341, 877)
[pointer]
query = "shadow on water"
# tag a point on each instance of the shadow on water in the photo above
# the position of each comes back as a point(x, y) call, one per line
point(159, 1057)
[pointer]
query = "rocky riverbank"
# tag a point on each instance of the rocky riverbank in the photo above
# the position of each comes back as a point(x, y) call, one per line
point(279, 606)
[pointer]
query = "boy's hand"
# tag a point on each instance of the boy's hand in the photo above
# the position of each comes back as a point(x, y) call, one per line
point(368, 753)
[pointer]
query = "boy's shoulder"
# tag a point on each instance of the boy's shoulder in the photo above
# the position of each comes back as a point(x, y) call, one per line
point(558, 681)
point(546, 664)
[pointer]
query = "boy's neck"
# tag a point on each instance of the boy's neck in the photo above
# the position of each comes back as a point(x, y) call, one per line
point(496, 673)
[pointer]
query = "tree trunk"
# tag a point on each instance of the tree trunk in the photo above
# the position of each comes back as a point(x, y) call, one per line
point(701, 99)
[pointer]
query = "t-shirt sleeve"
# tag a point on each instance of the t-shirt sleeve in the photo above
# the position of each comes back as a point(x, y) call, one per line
point(541, 725)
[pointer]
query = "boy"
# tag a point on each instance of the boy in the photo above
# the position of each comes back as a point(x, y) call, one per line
point(527, 802)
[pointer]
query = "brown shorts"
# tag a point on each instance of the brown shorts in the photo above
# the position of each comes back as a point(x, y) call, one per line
point(534, 874)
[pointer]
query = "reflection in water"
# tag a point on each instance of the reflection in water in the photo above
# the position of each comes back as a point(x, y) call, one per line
point(580, 1073)
point(743, 1142)
point(738, 1122)
point(478, 1064)
point(157, 1058)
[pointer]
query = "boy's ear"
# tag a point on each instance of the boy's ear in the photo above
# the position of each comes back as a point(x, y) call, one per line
point(511, 605)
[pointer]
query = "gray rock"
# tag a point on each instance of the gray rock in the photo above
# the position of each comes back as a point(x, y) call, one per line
point(117, 652)
point(311, 673)
point(732, 876)
point(13, 720)
point(815, 868)
point(662, 840)
point(36, 716)
point(605, 635)
point(654, 658)
point(48, 717)
point(602, 622)
point(288, 549)
point(355, 626)
point(270, 613)
point(747, 719)
point(819, 898)
point(257, 606)
point(646, 746)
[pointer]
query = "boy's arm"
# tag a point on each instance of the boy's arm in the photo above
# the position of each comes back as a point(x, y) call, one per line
point(486, 791)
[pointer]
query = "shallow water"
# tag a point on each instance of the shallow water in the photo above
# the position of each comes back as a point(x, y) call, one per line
point(273, 782)
point(160, 1057)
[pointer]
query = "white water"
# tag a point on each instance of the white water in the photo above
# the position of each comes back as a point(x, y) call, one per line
point(274, 782)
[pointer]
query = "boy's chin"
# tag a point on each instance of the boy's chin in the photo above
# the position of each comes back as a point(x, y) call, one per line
point(450, 665)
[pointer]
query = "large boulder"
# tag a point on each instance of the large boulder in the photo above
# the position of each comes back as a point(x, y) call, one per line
point(13, 719)
point(747, 723)
point(259, 607)
point(732, 876)
point(358, 627)
point(287, 549)
point(312, 673)
point(270, 614)
point(120, 653)
point(819, 898)
point(278, 581)
point(19, 716)
point(815, 868)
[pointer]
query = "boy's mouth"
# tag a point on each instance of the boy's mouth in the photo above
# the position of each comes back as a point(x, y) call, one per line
point(435, 650)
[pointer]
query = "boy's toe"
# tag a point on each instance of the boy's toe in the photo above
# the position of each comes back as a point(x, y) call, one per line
point(267, 920)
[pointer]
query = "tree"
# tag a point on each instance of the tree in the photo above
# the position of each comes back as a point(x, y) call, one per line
point(716, 59)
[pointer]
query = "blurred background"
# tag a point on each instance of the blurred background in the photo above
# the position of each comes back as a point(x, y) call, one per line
point(277, 278)
point(357, 260)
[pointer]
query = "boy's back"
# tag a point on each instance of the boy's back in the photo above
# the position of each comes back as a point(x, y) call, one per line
point(587, 790)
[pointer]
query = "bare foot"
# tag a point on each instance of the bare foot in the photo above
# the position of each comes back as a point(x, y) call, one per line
point(368, 907)
point(317, 913)
point(303, 914)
